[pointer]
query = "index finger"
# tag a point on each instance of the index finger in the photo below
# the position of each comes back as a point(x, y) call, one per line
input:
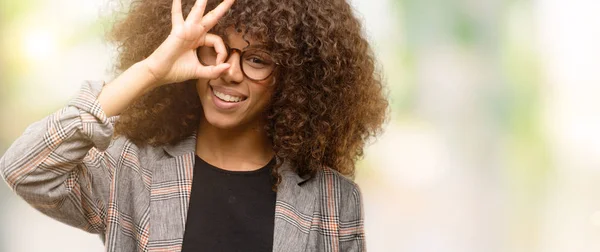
point(176, 14)
point(216, 42)
point(211, 18)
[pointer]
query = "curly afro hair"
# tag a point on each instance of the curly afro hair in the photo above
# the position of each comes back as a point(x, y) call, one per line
point(328, 100)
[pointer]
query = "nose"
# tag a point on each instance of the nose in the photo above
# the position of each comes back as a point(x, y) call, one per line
point(234, 74)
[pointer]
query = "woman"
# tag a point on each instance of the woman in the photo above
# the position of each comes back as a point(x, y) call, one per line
point(234, 130)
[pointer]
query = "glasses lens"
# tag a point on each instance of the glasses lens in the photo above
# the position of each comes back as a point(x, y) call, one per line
point(257, 64)
point(207, 55)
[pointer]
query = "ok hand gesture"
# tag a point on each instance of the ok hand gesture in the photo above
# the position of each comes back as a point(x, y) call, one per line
point(175, 60)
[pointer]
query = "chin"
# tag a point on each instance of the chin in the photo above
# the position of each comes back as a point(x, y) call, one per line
point(220, 121)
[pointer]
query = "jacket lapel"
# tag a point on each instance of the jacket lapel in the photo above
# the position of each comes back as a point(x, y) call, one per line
point(293, 212)
point(170, 195)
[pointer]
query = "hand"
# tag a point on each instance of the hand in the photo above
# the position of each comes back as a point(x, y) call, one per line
point(175, 60)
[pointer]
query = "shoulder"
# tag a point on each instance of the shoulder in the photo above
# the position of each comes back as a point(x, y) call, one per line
point(330, 178)
point(341, 192)
point(341, 202)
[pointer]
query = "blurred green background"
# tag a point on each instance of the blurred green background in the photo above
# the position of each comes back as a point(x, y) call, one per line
point(492, 142)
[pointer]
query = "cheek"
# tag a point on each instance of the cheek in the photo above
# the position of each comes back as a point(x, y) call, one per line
point(263, 95)
point(203, 91)
point(201, 86)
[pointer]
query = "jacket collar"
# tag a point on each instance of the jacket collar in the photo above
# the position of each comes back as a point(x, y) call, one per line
point(184, 146)
point(188, 145)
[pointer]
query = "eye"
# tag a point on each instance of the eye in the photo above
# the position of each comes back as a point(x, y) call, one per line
point(258, 59)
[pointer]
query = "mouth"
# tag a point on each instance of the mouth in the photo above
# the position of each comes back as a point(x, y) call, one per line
point(226, 97)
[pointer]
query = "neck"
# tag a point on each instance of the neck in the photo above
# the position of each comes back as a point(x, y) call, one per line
point(239, 149)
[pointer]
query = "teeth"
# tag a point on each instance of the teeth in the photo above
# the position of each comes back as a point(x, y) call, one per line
point(227, 97)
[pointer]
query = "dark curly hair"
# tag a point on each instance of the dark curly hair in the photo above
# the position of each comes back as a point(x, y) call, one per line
point(328, 99)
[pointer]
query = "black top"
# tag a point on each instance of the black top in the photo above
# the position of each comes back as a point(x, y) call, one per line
point(230, 210)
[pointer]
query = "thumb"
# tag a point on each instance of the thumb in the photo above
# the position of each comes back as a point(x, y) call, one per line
point(211, 72)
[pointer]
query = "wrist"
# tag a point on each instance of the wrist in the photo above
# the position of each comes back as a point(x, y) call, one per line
point(146, 70)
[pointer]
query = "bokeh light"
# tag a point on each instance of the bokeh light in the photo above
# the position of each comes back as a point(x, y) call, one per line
point(39, 45)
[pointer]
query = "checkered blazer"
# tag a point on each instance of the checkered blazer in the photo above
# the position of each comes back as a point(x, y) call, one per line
point(69, 167)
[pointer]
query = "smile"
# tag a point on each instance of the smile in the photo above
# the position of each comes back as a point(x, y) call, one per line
point(226, 97)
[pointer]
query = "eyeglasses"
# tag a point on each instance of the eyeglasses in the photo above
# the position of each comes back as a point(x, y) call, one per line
point(256, 64)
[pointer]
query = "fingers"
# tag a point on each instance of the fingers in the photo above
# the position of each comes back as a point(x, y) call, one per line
point(215, 41)
point(197, 11)
point(210, 19)
point(176, 14)
point(211, 72)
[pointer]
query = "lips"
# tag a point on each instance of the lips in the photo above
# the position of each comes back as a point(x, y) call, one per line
point(226, 100)
point(227, 95)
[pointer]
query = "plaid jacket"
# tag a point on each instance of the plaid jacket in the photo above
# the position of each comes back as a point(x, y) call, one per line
point(70, 167)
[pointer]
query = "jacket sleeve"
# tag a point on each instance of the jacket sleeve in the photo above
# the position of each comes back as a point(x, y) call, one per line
point(351, 229)
point(59, 164)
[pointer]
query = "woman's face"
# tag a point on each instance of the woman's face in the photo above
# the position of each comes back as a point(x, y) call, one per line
point(234, 100)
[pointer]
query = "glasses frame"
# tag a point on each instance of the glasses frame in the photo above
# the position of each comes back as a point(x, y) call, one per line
point(230, 52)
